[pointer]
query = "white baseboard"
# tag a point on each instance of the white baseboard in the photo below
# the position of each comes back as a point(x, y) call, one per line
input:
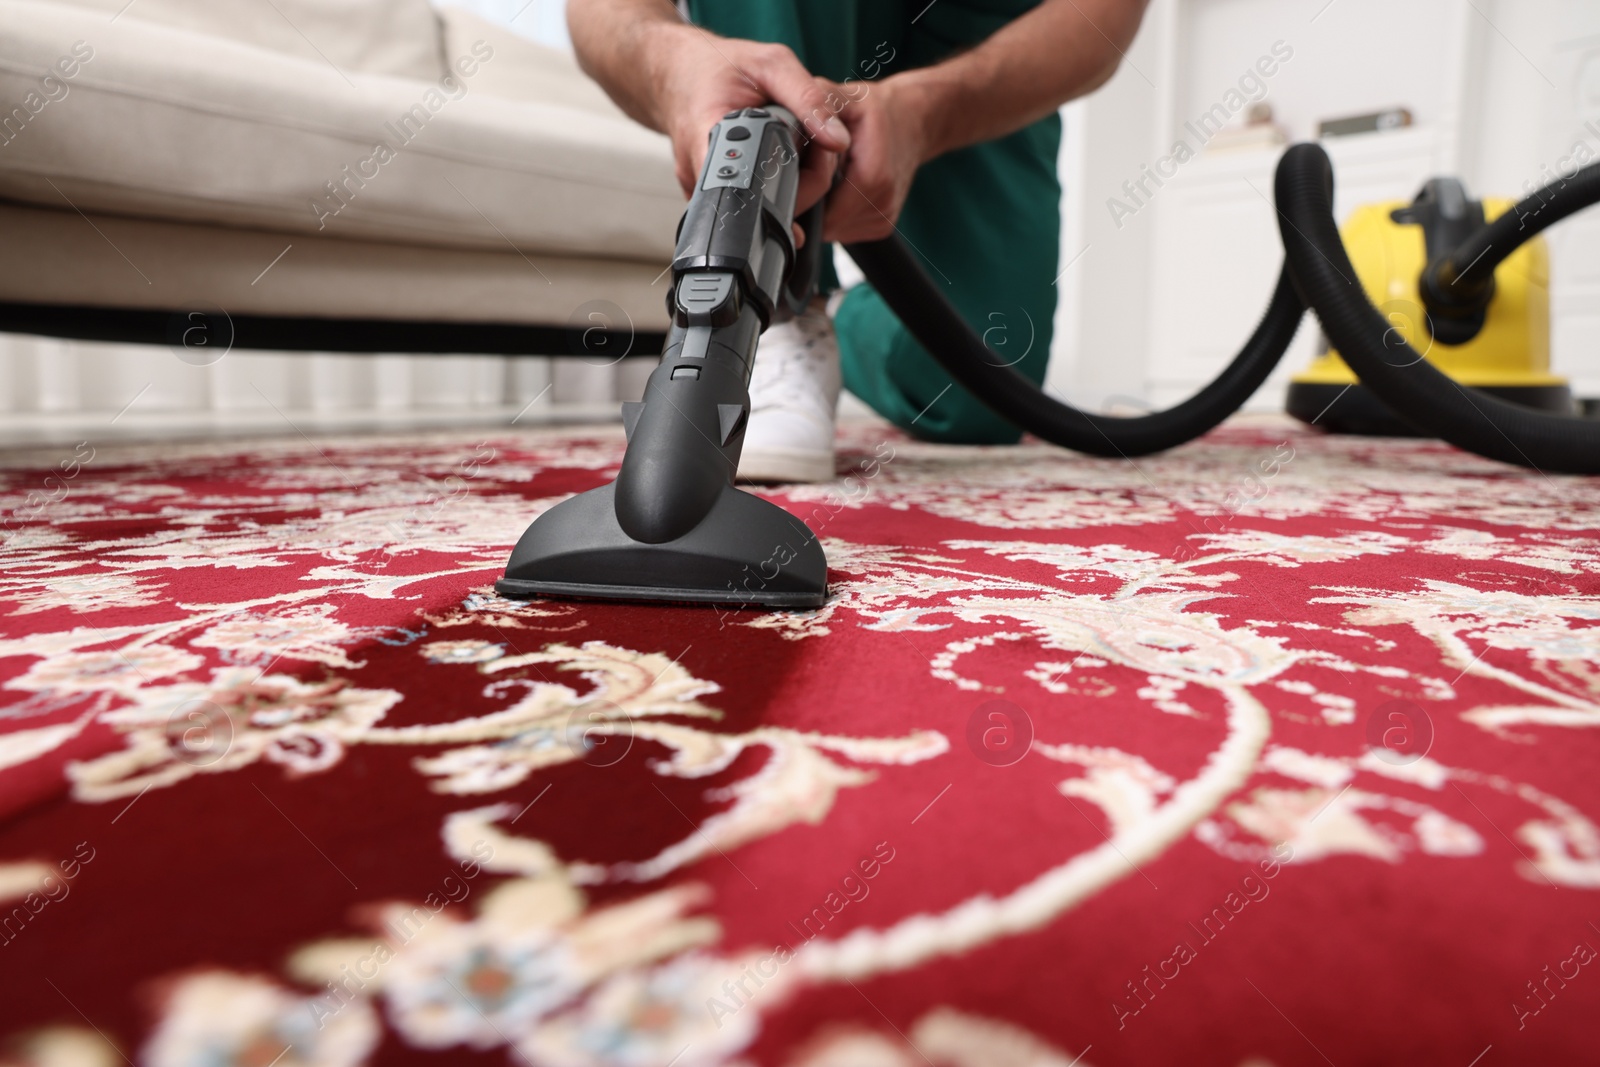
point(24, 429)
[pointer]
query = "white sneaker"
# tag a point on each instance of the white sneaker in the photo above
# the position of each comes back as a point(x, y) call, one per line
point(794, 394)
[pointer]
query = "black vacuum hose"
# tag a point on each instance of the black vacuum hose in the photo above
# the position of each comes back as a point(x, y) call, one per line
point(1472, 265)
point(899, 279)
point(1411, 386)
point(1317, 272)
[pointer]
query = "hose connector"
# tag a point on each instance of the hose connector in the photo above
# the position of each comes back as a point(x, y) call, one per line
point(1457, 303)
point(1457, 297)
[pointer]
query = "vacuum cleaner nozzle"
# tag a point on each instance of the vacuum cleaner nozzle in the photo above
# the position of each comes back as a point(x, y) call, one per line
point(746, 552)
point(672, 527)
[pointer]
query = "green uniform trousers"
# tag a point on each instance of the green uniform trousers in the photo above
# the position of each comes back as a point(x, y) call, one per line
point(985, 219)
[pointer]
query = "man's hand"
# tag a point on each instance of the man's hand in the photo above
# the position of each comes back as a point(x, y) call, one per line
point(888, 144)
point(707, 76)
point(680, 79)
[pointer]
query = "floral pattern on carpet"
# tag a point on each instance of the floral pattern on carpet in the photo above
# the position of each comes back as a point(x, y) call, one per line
point(1275, 749)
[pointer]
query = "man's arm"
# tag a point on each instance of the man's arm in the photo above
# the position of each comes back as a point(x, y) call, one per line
point(680, 79)
point(1027, 69)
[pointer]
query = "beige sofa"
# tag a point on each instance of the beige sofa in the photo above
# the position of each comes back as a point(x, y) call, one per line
point(333, 174)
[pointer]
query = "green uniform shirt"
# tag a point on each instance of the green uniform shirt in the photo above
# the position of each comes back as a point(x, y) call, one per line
point(985, 219)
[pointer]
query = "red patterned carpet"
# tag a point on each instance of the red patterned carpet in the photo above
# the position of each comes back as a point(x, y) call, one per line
point(1279, 749)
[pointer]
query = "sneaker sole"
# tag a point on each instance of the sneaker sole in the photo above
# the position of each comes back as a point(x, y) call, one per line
point(785, 465)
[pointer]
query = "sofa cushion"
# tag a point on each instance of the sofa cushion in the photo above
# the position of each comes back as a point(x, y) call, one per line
point(523, 69)
point(53, 258)
point(371, 36)
point(168, 123)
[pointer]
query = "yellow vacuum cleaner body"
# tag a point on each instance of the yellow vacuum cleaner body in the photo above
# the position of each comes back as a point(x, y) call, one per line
point(1507, 354)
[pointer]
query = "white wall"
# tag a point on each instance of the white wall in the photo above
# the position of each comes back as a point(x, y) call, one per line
point(543, 20)
point(1108, 137)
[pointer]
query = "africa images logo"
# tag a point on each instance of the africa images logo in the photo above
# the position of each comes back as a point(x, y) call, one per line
point(1250, 88)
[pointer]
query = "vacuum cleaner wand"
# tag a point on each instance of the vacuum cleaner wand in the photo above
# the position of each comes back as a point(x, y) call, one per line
point(672, 527)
